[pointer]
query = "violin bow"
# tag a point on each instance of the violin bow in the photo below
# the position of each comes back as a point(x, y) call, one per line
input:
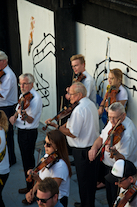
point(61, 105)
point(108, 137)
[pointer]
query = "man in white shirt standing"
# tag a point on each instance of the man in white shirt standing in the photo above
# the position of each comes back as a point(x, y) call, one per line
point(124, 148)
point(8, 99)
point(81, 130)
point(27, 118)
point(78, 66)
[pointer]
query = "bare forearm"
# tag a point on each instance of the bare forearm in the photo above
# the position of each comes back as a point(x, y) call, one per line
point(97, 144)
point(92, 153)
point(65, 131)
point(29, 119)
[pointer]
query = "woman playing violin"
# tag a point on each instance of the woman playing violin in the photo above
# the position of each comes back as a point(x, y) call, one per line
point(60, 170)
point(126, 148)
point(124, 174)
point(115, 79)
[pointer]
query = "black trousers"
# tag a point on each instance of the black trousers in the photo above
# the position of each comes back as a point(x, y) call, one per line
point(27, 140)
point(86, 175)
point(9, 111)
point(111, 189)
point(3, 179)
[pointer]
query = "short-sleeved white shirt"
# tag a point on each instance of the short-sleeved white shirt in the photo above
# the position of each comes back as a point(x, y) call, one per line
point(89, 83)
point(58, 170)
point(83, 124)
point(4, 164)
point(8, 88)
point(127, 146)
point(122, 95)
point(34, 110)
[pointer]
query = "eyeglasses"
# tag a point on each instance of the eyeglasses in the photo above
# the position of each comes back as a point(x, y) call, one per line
point(120, 180)
point(72, 94)
point(19, 84)
point(43, 200)
point(47, 144)
point(73, 66)
point(114, 118)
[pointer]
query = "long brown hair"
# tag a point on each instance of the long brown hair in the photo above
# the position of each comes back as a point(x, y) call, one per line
point(59, 140)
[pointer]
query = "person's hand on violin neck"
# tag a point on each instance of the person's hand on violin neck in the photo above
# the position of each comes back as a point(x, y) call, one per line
point(50, 123)
point(25, 116)
point(115, 153)
point(34, 175)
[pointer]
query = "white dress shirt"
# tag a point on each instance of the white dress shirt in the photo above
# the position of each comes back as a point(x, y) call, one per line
point(89, 83)
point(84, 124)
point(127, 146)
point(34, 110)
point(8, 88)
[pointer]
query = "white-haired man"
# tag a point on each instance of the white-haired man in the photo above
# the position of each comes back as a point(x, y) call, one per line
point(27, 118)
point(126, 148)
point(81, 130)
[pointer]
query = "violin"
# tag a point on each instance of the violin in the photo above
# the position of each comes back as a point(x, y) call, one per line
point(62, 114)
point(24, 101)
point(43, 163)
point(115, 137)
point(127, 197)
point(79, 77)
point(110, 96)
point(115, 132)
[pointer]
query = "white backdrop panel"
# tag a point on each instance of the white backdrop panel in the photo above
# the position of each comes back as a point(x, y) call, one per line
point(92, 43)
point(38, 52)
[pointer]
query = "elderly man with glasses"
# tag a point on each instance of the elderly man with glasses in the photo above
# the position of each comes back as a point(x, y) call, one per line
point(81, 130)
point(26, 118)
point(126, 148)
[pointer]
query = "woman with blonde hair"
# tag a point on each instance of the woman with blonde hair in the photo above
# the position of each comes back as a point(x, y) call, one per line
point(115, 77)
point(4, 157)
